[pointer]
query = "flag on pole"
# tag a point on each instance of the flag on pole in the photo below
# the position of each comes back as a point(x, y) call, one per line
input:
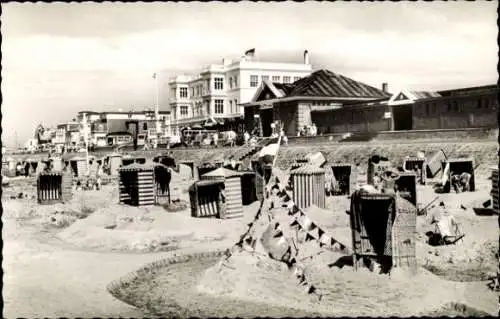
point(154, 75)
point(250, 52)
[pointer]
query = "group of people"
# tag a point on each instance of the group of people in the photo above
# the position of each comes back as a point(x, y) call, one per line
point(308, 130)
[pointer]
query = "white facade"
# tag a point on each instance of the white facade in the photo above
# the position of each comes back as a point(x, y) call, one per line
point(220, 89)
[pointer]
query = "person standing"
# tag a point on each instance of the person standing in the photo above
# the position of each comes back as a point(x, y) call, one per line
point(283, 136)
point(273, 128)
point(98, 175)
point(246, 137)
point(215, 138)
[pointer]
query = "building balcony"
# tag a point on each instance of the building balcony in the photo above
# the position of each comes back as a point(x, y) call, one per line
point(192, 119)
point(213, 68)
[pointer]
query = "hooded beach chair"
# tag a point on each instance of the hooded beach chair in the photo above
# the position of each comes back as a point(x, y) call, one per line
point(446, 230)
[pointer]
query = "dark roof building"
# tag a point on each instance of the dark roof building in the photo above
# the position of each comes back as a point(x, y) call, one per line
point(294, 105)
point(338, 104)
point(324, 83)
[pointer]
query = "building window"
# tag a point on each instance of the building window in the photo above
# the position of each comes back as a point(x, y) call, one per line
point(265, 77)
point(254, 81)
point(183, 92)
point(286, 79)
point(145, 126)
point(219, 83)
point(479, 104)
point(236, 109)
point(276, 78)
point(231, 107)
point(230, 82)
point(192, 91)
point(235, 81)
point(219, 106)
point(296, 78)
point(428, 109)
point(184, 110)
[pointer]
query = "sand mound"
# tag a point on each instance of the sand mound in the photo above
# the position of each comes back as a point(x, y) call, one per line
point(253, 277)
point(142, 229)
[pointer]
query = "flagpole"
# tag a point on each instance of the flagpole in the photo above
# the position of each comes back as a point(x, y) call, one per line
point(157, 111)
point(85, 140)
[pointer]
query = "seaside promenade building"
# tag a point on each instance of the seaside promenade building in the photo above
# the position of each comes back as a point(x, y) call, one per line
point(216, 94)
point(338, 104)
point(117, 127)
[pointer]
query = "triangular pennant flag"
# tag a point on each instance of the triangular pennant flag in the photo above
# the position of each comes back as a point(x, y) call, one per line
point(313, 226)
point(342, 246)
point(278, 234)
point(302, 279)
point(293, 261)
point(296, 272)
point(332, 241)
point(320, 232)
point(277, 226)
point(309, 237)
point(314, 233)
point(282, 193)
point(294, 223)
point(287, 198)
point(299, 226)
point(306, 223)
point(311, 289)
point(250, 224)
point(301, 213)
point(281, 241)
point(325, 239)
point(248, 240)
point(321, 245)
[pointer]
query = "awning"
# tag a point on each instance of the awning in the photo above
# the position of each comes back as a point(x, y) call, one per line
point(323, 108)
point(266, 106)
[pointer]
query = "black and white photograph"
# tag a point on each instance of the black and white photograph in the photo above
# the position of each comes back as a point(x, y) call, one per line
point(250, 159)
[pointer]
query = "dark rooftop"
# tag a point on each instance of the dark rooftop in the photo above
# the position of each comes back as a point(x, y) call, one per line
point(324, 83)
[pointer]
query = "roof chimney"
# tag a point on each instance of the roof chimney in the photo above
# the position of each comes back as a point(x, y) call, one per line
point(385, 87)
point(306, 57)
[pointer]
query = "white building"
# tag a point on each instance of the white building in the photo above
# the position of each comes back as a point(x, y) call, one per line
point(219, 90)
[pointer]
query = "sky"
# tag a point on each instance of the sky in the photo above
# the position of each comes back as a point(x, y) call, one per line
point(61, 58)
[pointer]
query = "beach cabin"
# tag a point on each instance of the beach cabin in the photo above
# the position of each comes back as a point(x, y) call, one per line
point(457, 166)
point(346, 177)
point(435, 162)
point(406, 185)
point(137, 184)
point(54, 187)
point(205, 198)
point(114, 161)
point(308, 186)
point(417, 165)
point(377, 165)
point(383, 229)
point(231, 190)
